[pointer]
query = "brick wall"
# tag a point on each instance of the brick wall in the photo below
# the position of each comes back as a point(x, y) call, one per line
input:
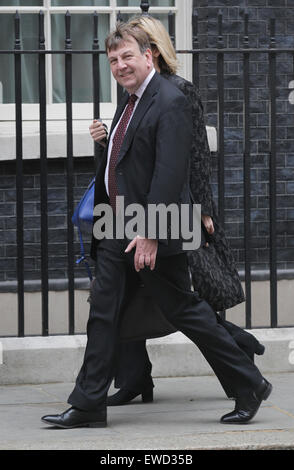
point(260, 11)
point(233, 12)
point(57, 216)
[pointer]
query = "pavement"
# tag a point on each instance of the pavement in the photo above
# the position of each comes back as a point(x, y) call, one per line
point(184, 416)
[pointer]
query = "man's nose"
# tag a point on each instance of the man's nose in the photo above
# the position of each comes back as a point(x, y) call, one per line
point(121, 63)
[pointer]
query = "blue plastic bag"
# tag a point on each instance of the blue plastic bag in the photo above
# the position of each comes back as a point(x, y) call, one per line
point(83, 219)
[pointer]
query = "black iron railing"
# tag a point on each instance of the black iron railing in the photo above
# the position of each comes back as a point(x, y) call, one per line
point(219, 51)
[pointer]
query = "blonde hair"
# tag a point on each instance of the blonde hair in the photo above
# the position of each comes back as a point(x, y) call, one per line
point(159, 37)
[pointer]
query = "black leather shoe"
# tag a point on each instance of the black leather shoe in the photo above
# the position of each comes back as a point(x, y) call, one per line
point(75, 418)
point(122, 397)
point(245, 340)
point(249, 344)
point(258, 350)
point(247, 407)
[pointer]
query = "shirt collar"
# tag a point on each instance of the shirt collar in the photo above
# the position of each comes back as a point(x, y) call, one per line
point(143, 86)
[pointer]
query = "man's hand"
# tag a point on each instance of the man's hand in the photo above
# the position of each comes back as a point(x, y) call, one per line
point(98, 131)
point(208, 223)
point(146, 251)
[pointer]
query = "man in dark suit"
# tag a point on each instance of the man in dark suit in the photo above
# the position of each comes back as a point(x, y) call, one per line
point(146, 160)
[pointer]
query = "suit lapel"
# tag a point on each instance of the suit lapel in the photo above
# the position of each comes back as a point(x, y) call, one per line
point(143, 105)
point(140, 111)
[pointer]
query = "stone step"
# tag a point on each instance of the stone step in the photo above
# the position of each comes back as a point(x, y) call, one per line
point(38, 359)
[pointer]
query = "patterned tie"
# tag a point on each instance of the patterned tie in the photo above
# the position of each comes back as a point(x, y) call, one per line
point(116, 146)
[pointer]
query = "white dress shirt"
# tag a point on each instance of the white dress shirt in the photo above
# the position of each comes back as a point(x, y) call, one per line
point(139, 94)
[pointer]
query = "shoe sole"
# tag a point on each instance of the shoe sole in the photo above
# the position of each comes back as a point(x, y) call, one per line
point(130, 402)
point(99, 424)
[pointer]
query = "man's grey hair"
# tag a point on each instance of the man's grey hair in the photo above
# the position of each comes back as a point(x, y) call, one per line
point(122, 32)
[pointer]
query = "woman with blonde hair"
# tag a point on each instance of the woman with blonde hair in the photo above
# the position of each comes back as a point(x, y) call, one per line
point(133, 369)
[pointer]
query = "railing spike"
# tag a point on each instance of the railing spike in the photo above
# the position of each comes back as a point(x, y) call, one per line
point(272, 28)
point(144, 7)
point(119, 17)
point(17, 43)
point(68, 44)
point(41, 30)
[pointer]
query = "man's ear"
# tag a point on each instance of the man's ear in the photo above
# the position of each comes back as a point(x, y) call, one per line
point(155, 51)
point(148, 53)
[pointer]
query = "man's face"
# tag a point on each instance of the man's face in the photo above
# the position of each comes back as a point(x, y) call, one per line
point(128, 65)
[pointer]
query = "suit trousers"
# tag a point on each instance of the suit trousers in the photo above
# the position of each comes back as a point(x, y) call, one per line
point(133, 367)
point(169, 283)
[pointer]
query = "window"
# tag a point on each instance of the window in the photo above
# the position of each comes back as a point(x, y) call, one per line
point(82, 39)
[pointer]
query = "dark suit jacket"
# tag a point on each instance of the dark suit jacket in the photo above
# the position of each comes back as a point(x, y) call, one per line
point(153, 164)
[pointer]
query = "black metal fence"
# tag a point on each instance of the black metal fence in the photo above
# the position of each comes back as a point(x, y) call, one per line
point(244, 52)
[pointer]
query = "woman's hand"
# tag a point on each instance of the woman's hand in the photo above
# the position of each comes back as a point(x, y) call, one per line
point(98, 132)
point(208, 223)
